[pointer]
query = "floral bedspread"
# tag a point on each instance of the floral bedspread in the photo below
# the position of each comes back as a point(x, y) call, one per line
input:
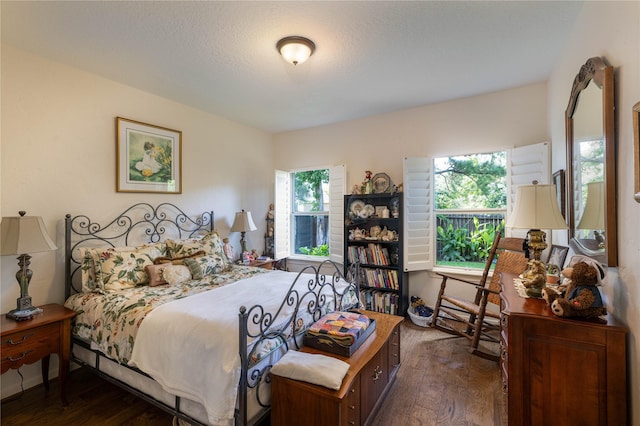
point(111, 320)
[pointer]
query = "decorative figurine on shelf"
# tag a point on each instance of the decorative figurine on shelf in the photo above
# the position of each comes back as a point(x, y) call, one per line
point(270, 213)
point(355, 190)
point(367, 184)
point(228, 249)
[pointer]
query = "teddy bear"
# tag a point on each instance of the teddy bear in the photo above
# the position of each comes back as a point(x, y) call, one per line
point(581, 298)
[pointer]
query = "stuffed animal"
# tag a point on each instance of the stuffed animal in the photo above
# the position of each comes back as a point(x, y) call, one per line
point(581, 297)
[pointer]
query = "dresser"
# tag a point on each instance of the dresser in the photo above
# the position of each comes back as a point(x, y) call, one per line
point(26, 342)
point(372, 371)
point(559, 370)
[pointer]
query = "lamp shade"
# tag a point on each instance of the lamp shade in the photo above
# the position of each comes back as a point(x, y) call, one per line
point(536, 208)
point(295, 49)
point(24, 234)
point(593, 214)
point(243, 222)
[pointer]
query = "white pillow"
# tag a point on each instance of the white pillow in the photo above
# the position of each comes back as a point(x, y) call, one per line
point(176, 274)
point(318, 369)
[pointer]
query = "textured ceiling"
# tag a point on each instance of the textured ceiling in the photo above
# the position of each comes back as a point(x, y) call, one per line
point(371, 57)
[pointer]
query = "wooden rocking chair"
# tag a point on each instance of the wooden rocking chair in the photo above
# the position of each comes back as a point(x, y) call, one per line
point(471, 319)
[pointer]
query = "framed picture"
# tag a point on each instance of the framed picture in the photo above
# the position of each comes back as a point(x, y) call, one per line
point(558, 181)
point(636, 149)
point(557, 256)
point(149, 158)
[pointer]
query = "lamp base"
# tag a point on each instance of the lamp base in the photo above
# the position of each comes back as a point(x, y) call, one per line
point(24, 311)
point(23, 314)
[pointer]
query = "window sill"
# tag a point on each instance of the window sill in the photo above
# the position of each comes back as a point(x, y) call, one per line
point(306, 258)
point(463, 272)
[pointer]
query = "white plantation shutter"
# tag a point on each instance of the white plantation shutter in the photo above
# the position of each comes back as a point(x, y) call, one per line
point(418, 239)
point(524, 165)
point(337, 188)
point(282, 215)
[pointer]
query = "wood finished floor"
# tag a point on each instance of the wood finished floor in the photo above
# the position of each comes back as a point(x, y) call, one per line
point(439, 383)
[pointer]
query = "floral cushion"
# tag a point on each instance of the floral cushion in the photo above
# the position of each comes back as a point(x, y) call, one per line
point(88, 270)
point(117, 270)
point(176, 274)
point(206, 265)
point(211, 244)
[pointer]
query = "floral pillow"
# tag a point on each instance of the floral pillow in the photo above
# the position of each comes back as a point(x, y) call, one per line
point(210, 243)
point(206, 265)
point(88, 270)
point(117, 270)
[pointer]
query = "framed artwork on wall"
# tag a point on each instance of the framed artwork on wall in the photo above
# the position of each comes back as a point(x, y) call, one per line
point(558, 181)
point(148, 158)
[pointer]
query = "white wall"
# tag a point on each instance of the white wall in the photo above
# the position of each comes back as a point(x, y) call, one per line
point(59, 155)
point(610, 30)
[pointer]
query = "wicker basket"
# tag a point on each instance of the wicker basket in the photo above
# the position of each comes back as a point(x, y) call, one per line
point(417, 319)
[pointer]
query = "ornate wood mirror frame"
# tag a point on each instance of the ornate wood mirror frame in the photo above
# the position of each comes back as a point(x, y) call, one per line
point(591, 163)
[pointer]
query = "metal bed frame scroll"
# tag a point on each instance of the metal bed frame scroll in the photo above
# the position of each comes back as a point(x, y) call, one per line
point(307, 295)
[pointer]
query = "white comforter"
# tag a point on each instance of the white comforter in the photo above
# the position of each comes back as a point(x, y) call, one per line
point(190, 346)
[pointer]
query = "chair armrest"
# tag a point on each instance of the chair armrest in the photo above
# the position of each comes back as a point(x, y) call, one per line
point(462, 280)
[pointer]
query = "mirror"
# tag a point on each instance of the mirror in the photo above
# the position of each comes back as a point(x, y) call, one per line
point(591, 178)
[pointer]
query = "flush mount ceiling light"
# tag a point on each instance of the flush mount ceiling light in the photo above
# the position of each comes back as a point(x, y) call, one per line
point(295, 49)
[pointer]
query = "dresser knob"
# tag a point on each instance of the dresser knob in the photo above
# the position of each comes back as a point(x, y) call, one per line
point(352, 407)
point(353, 390)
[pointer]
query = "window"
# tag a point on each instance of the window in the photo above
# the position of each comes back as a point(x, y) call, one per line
point(470, 205)
point(308, 212)
point(436, 195)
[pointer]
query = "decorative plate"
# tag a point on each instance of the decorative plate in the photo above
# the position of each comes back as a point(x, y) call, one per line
point(381, 183)
point(368, 211)
point(356, 207)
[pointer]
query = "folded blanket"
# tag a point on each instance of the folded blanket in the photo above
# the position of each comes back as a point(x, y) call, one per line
point(343, 327)
point(318, 369)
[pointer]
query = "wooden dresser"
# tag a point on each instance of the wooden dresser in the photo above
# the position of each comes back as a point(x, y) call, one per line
point(558, 370)
point(372, 372)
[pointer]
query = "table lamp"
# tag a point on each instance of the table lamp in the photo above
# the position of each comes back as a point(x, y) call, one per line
point(593, 214)
point(242, 223)
point(22, 235)
point(536, 208)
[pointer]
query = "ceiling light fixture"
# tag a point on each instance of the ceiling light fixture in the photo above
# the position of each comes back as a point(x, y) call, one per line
point(295, 49)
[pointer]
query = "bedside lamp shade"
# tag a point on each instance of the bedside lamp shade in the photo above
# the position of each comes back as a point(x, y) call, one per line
point(25, 234)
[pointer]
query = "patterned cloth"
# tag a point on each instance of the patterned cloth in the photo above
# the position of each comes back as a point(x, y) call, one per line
point(111, 320)
point(343, 327)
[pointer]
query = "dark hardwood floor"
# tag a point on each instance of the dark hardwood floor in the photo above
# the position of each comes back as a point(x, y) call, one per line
point(439, 383)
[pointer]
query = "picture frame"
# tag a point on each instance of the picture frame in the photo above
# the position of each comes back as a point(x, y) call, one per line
point(559, 182)
point(557, 256)
point(148, 158)
point(636, 149)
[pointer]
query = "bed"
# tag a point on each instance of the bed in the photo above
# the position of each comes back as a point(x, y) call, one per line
point(164, 314)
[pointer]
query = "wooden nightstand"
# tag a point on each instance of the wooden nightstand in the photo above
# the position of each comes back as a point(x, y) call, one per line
point(26, 342)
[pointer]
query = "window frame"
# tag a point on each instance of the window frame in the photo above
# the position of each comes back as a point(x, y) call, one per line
point(283, 239)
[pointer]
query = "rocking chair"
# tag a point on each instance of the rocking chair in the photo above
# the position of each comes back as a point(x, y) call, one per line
point(470, 318)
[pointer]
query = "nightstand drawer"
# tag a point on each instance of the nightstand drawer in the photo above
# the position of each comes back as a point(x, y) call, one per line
point(29, 346)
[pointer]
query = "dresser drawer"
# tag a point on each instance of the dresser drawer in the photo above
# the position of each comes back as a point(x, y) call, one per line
point(394, 351)
point(351, 405)
point(29, 346)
